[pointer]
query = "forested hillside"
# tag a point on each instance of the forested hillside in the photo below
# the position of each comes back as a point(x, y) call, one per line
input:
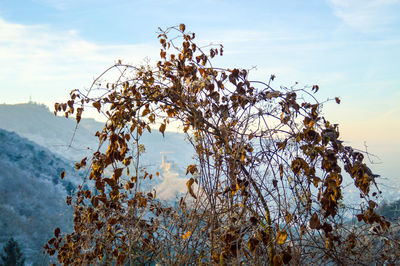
point(32, 194)
point(39, 124)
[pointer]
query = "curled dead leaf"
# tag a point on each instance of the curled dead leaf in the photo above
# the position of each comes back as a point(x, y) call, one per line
point(189, 184)
point(281, 237)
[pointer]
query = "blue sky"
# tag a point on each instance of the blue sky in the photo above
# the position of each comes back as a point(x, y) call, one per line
point(350, 48)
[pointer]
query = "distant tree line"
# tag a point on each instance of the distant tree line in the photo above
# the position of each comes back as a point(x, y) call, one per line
point(391, 210)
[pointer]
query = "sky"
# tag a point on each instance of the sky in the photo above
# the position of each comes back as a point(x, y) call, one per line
point(350, 48)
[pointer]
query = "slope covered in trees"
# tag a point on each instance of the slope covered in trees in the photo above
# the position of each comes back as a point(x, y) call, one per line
point(266, 186)
point(38, 124)
point(32, 196)
point(32, 199)
point(391, 210)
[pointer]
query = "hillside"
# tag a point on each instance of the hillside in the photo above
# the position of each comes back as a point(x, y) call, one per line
point(38, 124)
point(32, 195)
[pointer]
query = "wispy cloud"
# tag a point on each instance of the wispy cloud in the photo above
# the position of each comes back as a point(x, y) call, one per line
point(41, 61)
point(366, 15)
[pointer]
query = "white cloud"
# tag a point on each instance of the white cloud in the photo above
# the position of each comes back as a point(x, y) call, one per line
point(37, 60)
point(366, 15)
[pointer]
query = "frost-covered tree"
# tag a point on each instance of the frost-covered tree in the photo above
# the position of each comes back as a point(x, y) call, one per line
point(12, 254)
